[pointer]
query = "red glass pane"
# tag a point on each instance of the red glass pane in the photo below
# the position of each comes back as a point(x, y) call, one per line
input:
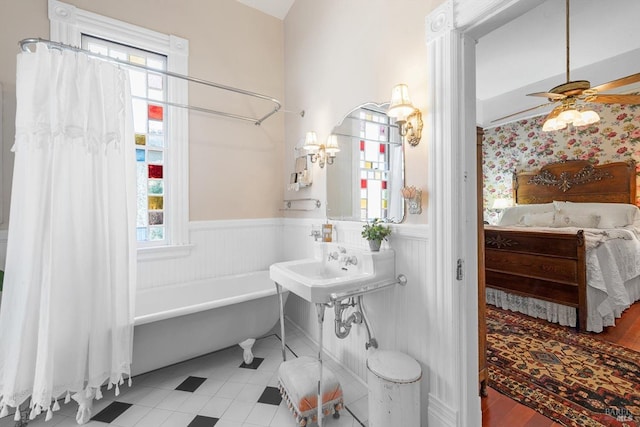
point(363, 183)
point(361, 145)
point(384, 185)
point(382, 148)
point(155, 171)
point(155, 112)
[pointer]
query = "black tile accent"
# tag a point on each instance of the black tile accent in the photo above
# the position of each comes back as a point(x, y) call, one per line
point(191, 384)
point(202, 421)
point(271, 396)
point(111, 412)
point(254, 365)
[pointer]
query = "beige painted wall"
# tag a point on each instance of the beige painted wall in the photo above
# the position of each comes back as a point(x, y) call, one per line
point(340, 54)
point(235, 167)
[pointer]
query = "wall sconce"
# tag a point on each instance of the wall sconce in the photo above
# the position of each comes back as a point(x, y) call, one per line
point(408, 117)
point(413, 197)
point(321, 153)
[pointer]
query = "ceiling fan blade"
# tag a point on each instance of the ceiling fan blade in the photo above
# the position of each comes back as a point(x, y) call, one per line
point(617, 99)
point(554, 96)
point(523, 111)
point(633, 78)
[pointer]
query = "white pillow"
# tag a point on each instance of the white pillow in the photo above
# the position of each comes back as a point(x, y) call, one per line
point(513, 215)
point(611, 215)
point(538, 219)
point(566, 219)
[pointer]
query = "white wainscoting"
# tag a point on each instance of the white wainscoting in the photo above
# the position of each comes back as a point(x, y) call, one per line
point(219, 248)
point(402, 318)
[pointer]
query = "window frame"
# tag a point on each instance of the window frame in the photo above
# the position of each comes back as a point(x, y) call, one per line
point(67, 25)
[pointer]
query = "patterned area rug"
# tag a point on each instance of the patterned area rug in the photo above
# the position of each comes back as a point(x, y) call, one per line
point(570, 377)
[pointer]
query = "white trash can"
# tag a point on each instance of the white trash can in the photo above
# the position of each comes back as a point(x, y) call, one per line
point(393, 379)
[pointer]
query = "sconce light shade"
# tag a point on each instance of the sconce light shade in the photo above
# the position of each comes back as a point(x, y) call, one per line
point(401, 105)
point(553, 124)
point(408, 118)
point(321, 153)
point(311, 142)
point(569, 116)
point(332, 145)
point(586, 118)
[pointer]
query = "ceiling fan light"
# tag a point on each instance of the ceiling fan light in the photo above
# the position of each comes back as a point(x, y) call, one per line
point(553, 124)
point(586, 118)
point(569, 116)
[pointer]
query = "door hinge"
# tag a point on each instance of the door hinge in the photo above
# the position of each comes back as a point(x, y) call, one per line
point(459, 269)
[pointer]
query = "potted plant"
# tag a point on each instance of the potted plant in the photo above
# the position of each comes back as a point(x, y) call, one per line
point(375, 232)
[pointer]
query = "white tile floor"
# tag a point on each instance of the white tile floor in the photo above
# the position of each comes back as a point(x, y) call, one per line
point(230, 393)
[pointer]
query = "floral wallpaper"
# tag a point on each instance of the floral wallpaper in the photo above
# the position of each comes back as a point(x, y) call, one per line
point(522, 145)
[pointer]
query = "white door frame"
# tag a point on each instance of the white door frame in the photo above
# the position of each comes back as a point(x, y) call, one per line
point(451, 32)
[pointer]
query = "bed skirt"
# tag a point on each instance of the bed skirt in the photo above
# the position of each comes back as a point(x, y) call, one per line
point(603, 311)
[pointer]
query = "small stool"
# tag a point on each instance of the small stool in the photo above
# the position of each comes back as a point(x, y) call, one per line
point(298, 380)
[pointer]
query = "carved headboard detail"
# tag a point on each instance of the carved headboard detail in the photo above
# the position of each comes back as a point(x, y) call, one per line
point(577, 181)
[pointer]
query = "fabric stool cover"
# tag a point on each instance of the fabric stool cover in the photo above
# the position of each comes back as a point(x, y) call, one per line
point(298, 379)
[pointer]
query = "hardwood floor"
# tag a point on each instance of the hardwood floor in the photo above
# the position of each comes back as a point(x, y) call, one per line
point(500, 411)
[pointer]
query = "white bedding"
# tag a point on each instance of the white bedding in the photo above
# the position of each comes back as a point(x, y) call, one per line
point(613, 279)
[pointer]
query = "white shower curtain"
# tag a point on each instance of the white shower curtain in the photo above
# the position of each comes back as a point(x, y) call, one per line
point(66, 320)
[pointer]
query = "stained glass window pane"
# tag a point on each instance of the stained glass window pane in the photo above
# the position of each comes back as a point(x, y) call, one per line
point(138, 81)
point(155, 112)
point(155, 171)
point(156, 186)
point(139, 116)
point(155, 81)
point(137, 59)
point(96, 48)
point(141, 233)
point(141, 139)
point(156, 218)
point(156, 127)
point(156, 233)
point(157, 64)
point(156, 140)
point(155, 156)
point(140, 155)
point(118, 55)
point(141, 199)
point(156, 203)
point(156, 95)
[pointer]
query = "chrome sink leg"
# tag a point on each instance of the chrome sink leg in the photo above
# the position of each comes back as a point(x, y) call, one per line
point(320, 311)
point(281, 306)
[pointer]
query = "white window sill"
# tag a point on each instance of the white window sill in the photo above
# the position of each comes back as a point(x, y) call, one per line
point(164, 252)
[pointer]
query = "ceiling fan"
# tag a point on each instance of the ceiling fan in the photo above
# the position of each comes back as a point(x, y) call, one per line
point(572, 95)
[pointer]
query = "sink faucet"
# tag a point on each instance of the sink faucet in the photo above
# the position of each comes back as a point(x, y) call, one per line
point(349, 260)
point(315, 234)
point(333, 255)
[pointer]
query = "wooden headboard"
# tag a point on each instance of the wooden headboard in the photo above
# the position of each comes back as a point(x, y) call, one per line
point(577, 181)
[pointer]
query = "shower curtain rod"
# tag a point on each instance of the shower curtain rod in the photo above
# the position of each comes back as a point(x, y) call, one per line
point(25, 43)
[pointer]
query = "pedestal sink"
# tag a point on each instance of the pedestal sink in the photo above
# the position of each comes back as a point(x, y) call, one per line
point(335, 271)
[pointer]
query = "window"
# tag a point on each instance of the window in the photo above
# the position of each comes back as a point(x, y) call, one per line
point(161, 132)
point(374, 165)
point(149, 93)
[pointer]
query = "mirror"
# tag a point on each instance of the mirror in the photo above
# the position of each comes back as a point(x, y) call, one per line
point(365, 180)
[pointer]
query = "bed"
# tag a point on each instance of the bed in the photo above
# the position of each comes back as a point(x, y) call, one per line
point(568, 251)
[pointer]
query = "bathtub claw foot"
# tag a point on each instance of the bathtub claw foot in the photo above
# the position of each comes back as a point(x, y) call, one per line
point(247, 345)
